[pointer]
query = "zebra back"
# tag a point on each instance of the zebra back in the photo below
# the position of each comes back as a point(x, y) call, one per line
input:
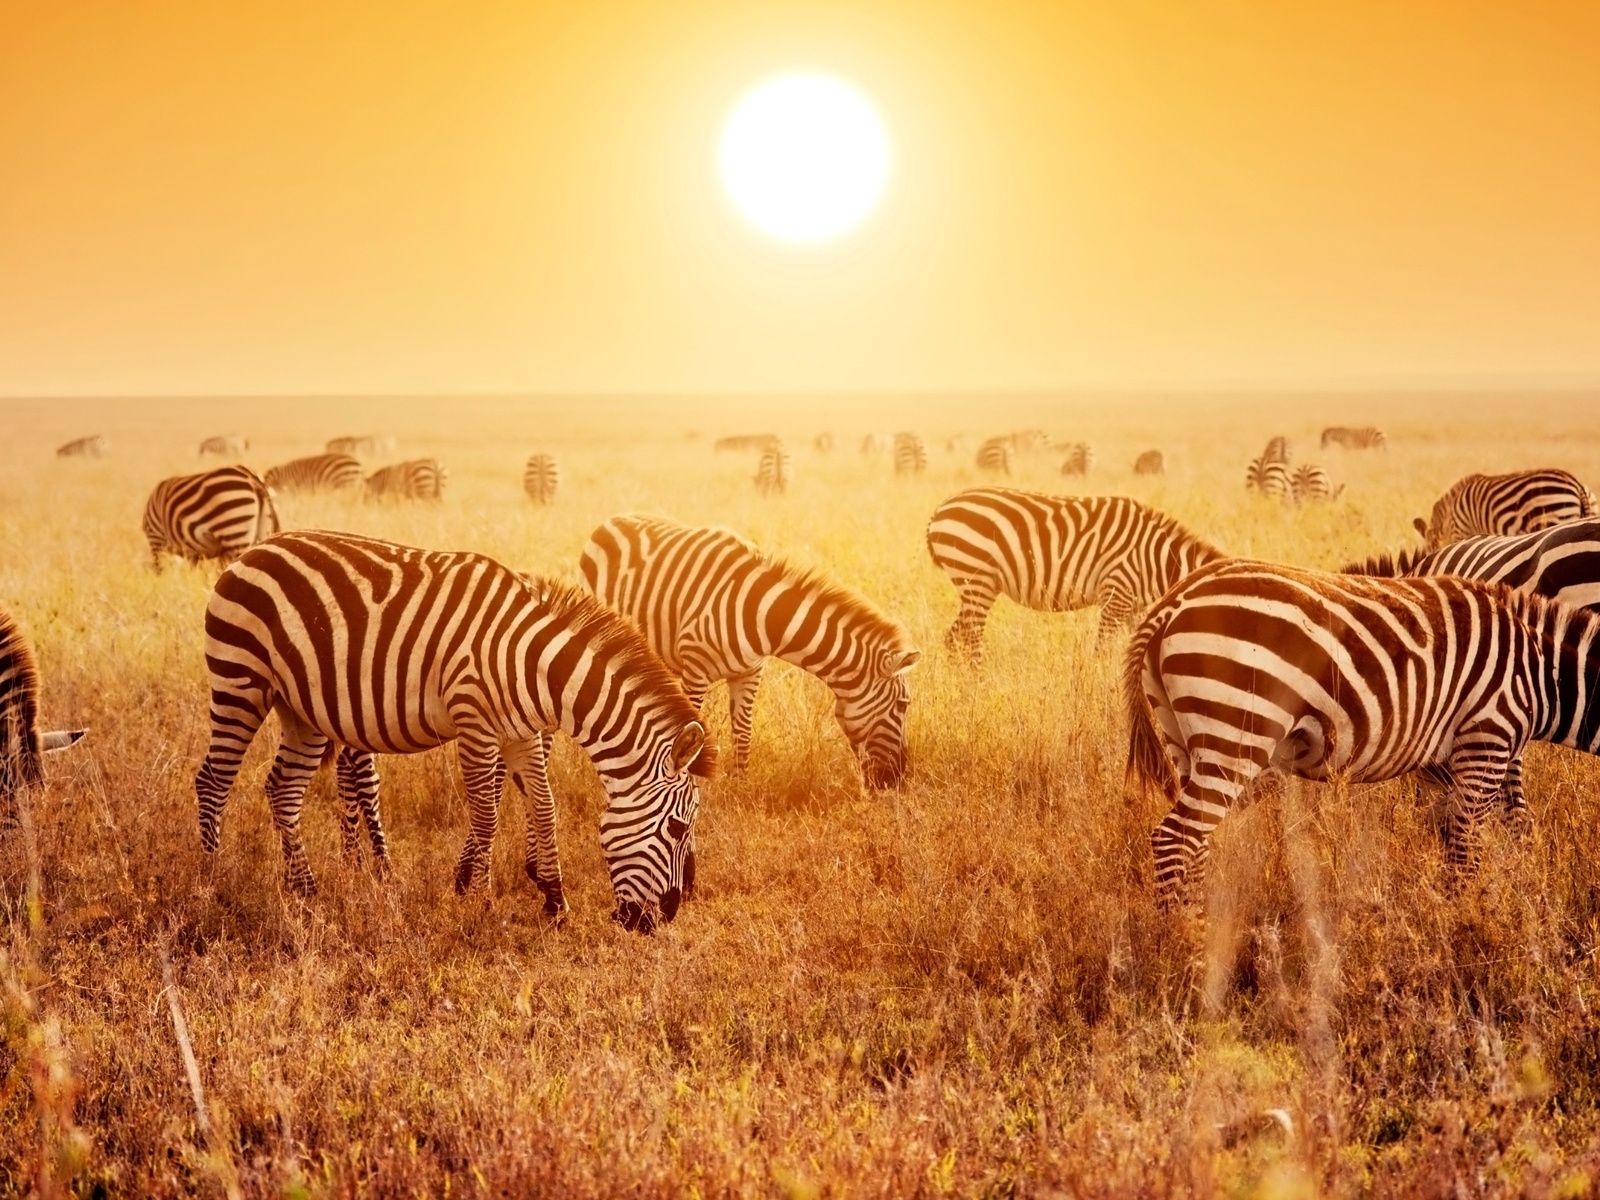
point(541, 478)
point(316, 473)
point(1560, 563)
point(1079, 460)
point(418, 479)
point(1277, 450)
point(1311, 483)
point(87, 447)
point(1518, 502)
point(995, 455)
point(1365, 438)
point(212, 514)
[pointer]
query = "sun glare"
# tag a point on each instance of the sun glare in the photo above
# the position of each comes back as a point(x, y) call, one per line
point(804, 157)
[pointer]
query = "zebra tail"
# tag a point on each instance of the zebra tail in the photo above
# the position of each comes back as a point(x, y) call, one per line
point(1149, 769)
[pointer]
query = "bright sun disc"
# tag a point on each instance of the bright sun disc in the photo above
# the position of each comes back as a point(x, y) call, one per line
point(804, 157)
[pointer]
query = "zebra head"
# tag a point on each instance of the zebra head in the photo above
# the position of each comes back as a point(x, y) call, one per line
point(647, 833)
point(873, 715)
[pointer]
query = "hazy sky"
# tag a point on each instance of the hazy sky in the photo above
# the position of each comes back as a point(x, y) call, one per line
point(294, 196)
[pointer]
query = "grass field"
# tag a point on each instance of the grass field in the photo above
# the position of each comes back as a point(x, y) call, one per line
point(957, 987)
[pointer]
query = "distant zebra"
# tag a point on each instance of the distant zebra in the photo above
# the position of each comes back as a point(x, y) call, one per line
point(1079, 460)
point(1365, 438)
point(419, 479)
point(1311, 482)
point(1277, 450)
point(385, 649)
point(995, 455)
point(1055, 554)
point(745, 441)
point(874, 443)
point(371, 445)
point(226, 445)
point(1151, 462)
point(1248, 667)
point(1521, 502)
point(773, 471)
point(1269, 477)
point(715, 607)
point(321, 472)
point(910, 454)
point(219, 513)
point(1026, 441)
point(87, 447)
point(22, 744)
point(541, 478)
point(823, 443)
point(958, 443)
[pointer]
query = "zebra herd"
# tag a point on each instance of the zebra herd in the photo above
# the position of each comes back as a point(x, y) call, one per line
point(1447, 659)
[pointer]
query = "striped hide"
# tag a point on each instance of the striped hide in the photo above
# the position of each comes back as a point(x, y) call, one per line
point(225, 445)
point(385, 649)
point(1268, 478)
point(910, 454)
point(715, 607)
point(418, 479)
point(1079, 460)
point(773, 471)
point(322, 472)
point(218, 514)
point(1311, 484)
point(86, 447)
point(1519, 502)
point(540, 478)
point(1365, 438)
point(22, 743)
point(995, 455)
point(1277, 450)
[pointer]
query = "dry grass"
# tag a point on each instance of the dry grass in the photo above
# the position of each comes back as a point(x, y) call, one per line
point(960, 987)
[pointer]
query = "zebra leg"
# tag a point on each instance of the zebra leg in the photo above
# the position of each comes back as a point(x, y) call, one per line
point(964, 638)
point(300, 753)
point(235, 719)
point(1479, 770)
point(741, 704)
point(357, 772)
point(481, 768)
point(1181, 843)
point(1116, 611)
point(1514, 804)
point(541, 858)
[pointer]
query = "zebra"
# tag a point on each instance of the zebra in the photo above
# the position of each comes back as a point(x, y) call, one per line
point(387, 649)
point(1277, 451)
point(745, 441)
point(372, 445)
point(1521, 502)
point(1269, 477)
point(85, 447)
point(1365, 438)
point(315, 474)
point(419, 479)
point(715, 607)
point(995, 455)
point(1079, 460)
point(1151, 462)
point(1311, 482)
point(1247, 667)
point(215, 514)
point(772, 473)
point(541, 478)
point(823, 443)
point(874, 443)
point(228, 445)
point(1025, 441)
point(910, 454)
point(22, 743)
point(1056, 553)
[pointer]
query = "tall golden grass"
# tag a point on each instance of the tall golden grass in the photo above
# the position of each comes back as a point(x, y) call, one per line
point(959, 987)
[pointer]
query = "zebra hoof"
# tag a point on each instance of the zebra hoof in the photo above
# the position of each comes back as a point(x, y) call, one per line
point(382, 870)
point(555, 901)
point(303, 886)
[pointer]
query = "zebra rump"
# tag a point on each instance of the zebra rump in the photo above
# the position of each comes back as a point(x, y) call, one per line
point(418, 479)
point(371, 445)
point(88, 447)
point(213, 514)
point(1311, 483)
point(995, 455)
point(224, 445)
point(541, 478)
point(772, 472)
point(1269, 477)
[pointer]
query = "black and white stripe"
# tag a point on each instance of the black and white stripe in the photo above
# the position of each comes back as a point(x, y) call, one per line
point(86, 447)
point(773, 471)
point(418, 479)
point(225, 445)
point(321, 472)
point(541, 478)
point(1057, 553)
point(1277, 450)
point(1365, 438)
point(371, 445)
point(1079, 460)
point(22, 743)
point(1311, 483)
point(385, 649)
point(910, 454)
point(1269, 477)
point(995, 455)
point(1151, 462)
point(214, 514)
point(1248, 667)
point(1519, 502)
point(715, 607)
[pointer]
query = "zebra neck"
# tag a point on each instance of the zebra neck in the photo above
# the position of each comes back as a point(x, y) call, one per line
point(819, 635)
point(1571, 644)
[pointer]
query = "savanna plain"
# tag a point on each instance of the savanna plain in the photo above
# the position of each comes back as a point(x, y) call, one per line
point(961, 986)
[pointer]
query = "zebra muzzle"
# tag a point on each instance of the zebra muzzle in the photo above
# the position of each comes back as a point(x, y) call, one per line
point(635, 917)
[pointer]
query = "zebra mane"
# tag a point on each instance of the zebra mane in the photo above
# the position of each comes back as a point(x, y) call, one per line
point(1386, 565)
point(878, 627)
point(1168, 524)
point(612, 637)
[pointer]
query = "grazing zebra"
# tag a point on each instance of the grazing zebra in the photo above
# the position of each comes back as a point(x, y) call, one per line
point(1151, 462)
point(823, 443)
point(1277, 450)
point(88, 447)
point(216, 514)
point(1055, 554)
point(1269, 477)
point(875, 443)
point(419, 479)
point(773, 471)
point(910, 454)
point(995, 455)
point(225, 444)
point(1079, 460)
point(715, 607)
point(1247, 667)
point(371, 445)
point(22, 744)
point(1025, 441)
point(1521, 502)
point(745, 441)
point(541, 478)
point(385, 649)
point(1365, 438)
point(1311, 482)
point(318, 473)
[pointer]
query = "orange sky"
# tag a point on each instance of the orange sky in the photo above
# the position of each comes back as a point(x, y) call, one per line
point(292, 196)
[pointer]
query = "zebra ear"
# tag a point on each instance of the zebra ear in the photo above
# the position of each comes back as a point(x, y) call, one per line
point(686, 746)
point(60, 739)
point(1422, 526)
point(900, 664)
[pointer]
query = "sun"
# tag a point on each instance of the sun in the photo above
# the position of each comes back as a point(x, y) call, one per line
point(804, 157)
